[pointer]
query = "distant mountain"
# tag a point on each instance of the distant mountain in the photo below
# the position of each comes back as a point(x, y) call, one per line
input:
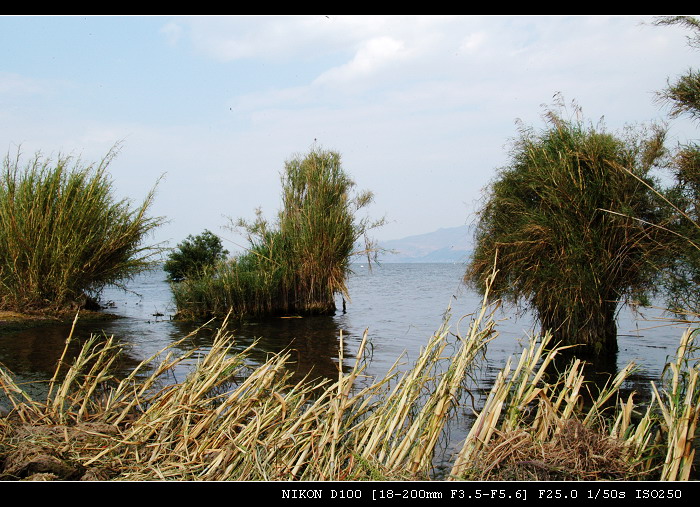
point(451, 244)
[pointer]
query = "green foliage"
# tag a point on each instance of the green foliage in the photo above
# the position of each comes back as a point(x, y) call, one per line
point(63, 236)
point(683, 96)
point(569, 228)
point(193, 255)
point(297, 264)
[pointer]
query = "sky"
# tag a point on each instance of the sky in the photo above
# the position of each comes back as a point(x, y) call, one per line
point(421, 108)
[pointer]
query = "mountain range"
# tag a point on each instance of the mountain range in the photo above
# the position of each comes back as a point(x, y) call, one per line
point(449, 244)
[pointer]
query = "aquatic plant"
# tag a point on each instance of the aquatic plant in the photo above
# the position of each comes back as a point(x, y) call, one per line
point(299, 263)
point(231, 419)
point(573, 236)
point(63, 234)
point(683, 97)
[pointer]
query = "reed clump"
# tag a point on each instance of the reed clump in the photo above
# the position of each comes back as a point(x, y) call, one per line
point(574, 236)
point(64, 236)
point(299, 263)
point(539, 426)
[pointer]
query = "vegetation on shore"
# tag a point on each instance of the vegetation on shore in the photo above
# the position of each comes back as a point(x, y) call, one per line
point(64, 236)
point(299, 263)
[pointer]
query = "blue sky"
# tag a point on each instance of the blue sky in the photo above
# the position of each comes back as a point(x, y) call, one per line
point(421, 108)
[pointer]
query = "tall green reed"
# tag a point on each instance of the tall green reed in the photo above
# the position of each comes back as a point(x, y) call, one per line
point(64, 236)
point(299, 263)
point(546, 218)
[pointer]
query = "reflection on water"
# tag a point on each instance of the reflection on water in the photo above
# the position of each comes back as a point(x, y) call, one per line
point(399, 305)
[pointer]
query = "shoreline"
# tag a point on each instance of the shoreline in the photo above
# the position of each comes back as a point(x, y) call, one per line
point(11, 321)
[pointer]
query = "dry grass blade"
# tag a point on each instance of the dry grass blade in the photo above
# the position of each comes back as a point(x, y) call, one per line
point(525, 428)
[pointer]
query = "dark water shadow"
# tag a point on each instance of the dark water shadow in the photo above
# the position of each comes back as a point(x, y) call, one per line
point(313, 344)
point(31, 356)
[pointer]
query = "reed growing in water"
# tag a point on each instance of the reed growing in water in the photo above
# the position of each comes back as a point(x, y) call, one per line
point(297, 264)
point(63, 235)
point(574, 235)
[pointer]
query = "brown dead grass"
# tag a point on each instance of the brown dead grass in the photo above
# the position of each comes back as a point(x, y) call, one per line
point(575, 452)
point(47, 452)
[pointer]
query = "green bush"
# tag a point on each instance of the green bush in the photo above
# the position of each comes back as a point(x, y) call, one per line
point(571, 232)
point(63, 236)
point(193, 255)
point(683, 97)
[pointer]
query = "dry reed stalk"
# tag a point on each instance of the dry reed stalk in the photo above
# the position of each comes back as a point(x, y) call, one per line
point(229, 420)
point(680, 408)
point(263, 427)
point(524, 407)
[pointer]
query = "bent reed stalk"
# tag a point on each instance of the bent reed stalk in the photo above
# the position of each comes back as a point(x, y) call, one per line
point(531, 428)
point(230, 420)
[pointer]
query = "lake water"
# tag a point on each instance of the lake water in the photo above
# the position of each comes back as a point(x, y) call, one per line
point(400, 306)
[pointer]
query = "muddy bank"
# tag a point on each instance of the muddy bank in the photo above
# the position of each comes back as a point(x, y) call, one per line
point(11, 321)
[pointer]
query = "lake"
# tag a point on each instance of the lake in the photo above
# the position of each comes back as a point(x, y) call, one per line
point(400, 306)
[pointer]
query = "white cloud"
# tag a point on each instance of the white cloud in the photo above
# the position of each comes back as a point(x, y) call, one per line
point(420, 107)
point(278, 38)
point(229, 38)
point(15, 84)
point(473, 42)
point(375, 55)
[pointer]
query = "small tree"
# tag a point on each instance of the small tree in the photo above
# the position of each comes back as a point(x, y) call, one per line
point(193, 255)
point(569, 230)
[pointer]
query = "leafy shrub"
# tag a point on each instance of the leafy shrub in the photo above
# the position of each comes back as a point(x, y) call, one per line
point(193, 255)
